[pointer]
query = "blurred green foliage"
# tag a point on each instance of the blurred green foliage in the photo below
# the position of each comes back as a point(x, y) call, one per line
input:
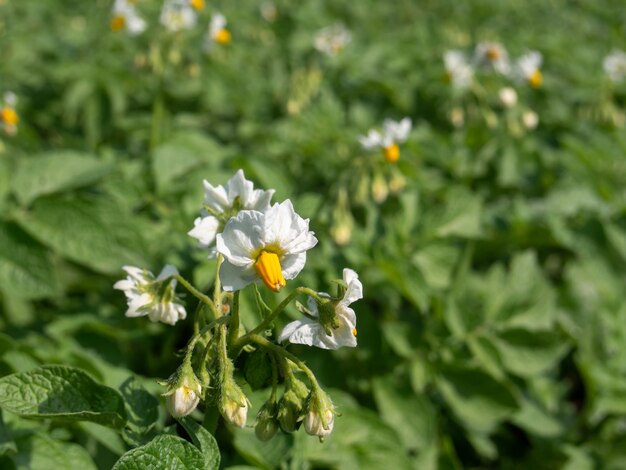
point(493, 329)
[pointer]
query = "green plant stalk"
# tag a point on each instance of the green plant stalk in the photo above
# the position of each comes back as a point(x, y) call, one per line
point(263, 342)
point(217, 289)
point(196, 293)
point(233, 328)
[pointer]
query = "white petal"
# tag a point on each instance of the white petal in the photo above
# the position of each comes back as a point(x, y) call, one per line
point(302, 331)
point(204, 230)
point(235, 278)
point(372, 140)
point(215, 197)
point(292, 265)
point(241, 238)
point(168, 270)
point(354, 291)
point(137, 303)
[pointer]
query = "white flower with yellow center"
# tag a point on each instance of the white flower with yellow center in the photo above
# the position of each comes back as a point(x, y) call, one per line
point(217, 32)
point(614, 66)
point(8, 116)
point(492, 56)
point(330, 325)
point(147, 295)
point(527, 69)
point(125, 16)
point(177, 15)
point(394, 133)
point(332, 39)
point(223, 202)
point(269, 246)
point(459, 71)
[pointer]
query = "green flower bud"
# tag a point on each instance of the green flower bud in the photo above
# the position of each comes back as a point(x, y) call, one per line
point(183, 391)
point(233, 403)
point(266, 422)
point(292, 403)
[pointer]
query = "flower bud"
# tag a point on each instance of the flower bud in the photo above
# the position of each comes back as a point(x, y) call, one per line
point(530, 119)
point(508, 97)
point(266, 423)
point(292, 403)
point(380, 189)
point(233, 404)
point(397, 182)
point(184, 390)
point(320, 416)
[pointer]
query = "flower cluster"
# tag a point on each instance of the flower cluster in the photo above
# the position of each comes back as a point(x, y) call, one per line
point(253, 241)
point(331, 40)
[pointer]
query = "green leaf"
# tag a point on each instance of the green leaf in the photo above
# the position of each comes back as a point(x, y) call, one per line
point(25, 268)
point(94, 232)
point(258, 369)
point(264, 310)
point(436, 262)
point(475, 397)
point(205, 441)
point(63, 393)
point(55, 171)
point(41, 452)
point(460, 217)
point(164, 451)
point(412, 416)
point(527, 353)
point(171, 161)
point(142, 410)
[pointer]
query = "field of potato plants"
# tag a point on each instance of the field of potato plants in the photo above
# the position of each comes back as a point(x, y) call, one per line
point(348, 235)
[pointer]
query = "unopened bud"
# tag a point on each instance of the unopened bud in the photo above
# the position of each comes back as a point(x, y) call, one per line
point(380, 189)
point(320, 416)
point(530, 119)
point(291, 404)
point(234, 404)
point(508, 97)
point(266, 422)
point(184, 390)
point(397, 182)
point(457, 117)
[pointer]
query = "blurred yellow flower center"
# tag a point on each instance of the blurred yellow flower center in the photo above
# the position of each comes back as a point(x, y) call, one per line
point(9, 116)
point(117, 22)
point(197, 4)
point(535, 79)
point(222, 36)
point(392, 153)
point(354, 332)
point(268, 268)
point(493, 53)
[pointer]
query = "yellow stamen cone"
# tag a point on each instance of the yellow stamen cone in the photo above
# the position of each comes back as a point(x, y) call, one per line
point(269, 270)
point(223, 36)
point(354, 332)
point(9, 116)
point(117, 23)
point(198, 5)
point(392, 153)
point(493, 54)
point(535, 79)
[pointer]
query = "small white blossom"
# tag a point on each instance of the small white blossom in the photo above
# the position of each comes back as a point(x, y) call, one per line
point(394, 132)
point(125, 16)
point(223, 202)
point(312, 332)
point(492, 56)
point(145, 295)
point(332, 39)
point(614, 66)
point(9, 118)
point(177, 15)
point(270, 246)
point(314, 424)
point(530, 119)
point(527, 69)
point(217, 32)
point(458, 69)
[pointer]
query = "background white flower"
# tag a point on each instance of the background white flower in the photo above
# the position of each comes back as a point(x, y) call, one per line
point(458, 69)
point(177, 15)
point(145, 295)
point(311, 332)
point(332, 39)
point(125, 16)
point(217, 32)
point(223, 202)
point(394, 132)
point(527, 69)
point(492, 56)
point(614, 66)
point(270, 246)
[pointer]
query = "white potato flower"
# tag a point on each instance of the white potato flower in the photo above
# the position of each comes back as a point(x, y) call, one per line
point(614, 66)
point(217, 32)
point(458, 69)
point(270, 246)
point(223, 202)
point(527, 69)
point(9, 118)
point(147, 295)
point(332, 39)
point(125, 16)
point(177, 15)
point(492, 56)
point(394, 132)
point(507, 97)
point(332, 324)
point(184, 399)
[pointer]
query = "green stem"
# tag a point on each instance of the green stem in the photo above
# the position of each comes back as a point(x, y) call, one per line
point(233, 328)
point(201, 333)
point(195, 292)
point(217, 289)
point(270, 318)
point(263, 342)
